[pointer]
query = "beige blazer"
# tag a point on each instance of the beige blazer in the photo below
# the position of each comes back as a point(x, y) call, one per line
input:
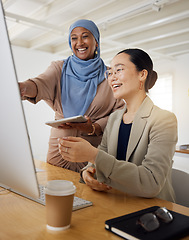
point(146, 172)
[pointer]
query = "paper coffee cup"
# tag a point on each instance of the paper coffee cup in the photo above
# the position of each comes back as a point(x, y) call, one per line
point(59, 203)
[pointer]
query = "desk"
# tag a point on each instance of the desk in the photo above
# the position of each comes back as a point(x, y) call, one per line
point(23, 219)
point(186, 151)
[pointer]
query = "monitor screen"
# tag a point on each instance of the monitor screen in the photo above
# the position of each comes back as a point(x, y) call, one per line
point(17, 171)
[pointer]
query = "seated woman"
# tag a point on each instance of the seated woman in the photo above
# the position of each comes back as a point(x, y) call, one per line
point(138, 144)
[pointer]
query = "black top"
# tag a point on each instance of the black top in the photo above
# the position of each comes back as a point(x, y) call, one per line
point(123, 139)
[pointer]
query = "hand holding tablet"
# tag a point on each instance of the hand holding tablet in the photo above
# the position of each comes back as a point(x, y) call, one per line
point(75, 119)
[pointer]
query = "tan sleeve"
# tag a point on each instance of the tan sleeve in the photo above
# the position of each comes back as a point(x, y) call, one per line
point(48, 82)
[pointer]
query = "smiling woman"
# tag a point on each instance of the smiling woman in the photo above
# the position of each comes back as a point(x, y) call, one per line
point(75, 86)
point(83, 43)
point(138, 144)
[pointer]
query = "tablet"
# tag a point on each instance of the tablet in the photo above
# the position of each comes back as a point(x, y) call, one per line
point(75, 119)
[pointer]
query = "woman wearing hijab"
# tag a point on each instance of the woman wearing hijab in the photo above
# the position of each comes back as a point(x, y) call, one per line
point(138, 144)
point(75, 86)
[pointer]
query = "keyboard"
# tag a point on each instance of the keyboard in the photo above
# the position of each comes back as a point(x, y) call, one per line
point(78, 203)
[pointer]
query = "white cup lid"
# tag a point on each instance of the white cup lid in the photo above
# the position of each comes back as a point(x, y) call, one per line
point(60, 188)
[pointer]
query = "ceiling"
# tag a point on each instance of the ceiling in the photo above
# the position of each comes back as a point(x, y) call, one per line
point(161, 27)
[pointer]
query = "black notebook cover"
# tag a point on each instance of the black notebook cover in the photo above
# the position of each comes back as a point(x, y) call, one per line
point(126, 227)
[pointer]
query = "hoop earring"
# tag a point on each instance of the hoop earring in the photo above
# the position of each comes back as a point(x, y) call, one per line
point(96, 52)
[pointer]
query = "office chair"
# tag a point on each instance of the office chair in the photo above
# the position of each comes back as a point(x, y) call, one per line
point(180, 182)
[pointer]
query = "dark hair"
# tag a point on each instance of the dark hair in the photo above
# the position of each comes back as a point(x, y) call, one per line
point(142, 61)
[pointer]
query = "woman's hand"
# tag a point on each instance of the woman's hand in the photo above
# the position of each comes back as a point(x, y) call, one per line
point(75, 149)
point(83, 127)
point(88, 177)
point(27, 89)
point(86, 127)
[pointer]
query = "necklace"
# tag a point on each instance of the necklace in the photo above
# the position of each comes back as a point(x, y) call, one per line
point(128, 117)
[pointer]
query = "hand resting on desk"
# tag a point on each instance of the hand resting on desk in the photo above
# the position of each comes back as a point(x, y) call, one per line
point(76, 149)
point(88, 177)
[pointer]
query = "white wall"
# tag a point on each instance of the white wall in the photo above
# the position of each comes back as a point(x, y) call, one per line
point(178, 68)
point(181, 93)
point(31, 63)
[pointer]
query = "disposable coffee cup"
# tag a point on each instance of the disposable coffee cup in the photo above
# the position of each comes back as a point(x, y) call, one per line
point(59, 203)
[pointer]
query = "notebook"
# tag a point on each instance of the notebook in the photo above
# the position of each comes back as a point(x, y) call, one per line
point(17, 169)
point(125, 226)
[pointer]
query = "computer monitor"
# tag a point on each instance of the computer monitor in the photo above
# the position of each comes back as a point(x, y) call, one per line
point(17, 170)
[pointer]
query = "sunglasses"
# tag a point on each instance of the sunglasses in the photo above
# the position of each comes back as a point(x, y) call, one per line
point(150, 222)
